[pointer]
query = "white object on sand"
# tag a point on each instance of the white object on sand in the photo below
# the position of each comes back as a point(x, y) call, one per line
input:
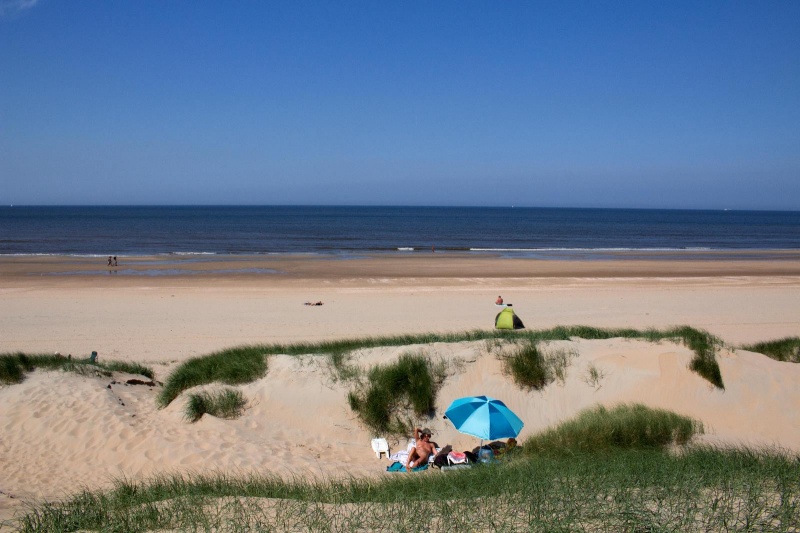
point(379, 446)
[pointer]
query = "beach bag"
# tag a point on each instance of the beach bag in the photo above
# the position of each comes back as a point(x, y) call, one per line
point(457, 458)
point(441, 458)
point(486, 455)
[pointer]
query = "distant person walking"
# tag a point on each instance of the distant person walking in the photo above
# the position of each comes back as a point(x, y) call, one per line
point(109, 261)
point(115, 260)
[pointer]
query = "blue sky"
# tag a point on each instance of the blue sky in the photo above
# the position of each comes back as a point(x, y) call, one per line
point(565, 104)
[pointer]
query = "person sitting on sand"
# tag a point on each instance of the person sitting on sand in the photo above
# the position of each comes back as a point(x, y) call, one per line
point(422, 451)
point(499, 300)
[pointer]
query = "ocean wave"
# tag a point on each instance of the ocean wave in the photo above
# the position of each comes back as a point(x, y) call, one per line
point(694, 249)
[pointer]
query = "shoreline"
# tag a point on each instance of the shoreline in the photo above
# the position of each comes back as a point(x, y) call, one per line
point(277, 268)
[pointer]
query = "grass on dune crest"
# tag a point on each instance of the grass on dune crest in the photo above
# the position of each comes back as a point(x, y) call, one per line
point(627, 487)
point(13, 367)
point(787, 349)
point(226, 403)
point(233, 366)
point(245, 364)
point(624, 426)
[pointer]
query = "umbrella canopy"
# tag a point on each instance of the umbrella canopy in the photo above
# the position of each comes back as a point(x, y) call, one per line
point(484, 417)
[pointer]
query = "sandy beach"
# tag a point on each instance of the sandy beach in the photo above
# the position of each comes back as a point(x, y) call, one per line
point(62, 432)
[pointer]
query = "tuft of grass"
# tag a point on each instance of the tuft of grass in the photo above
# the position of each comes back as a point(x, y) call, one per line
point(226, 403)
point(391, 391)
point(625, 426)
point(704, 346)
point(532, 368)
point(787, 349)
point(593, 376)
point(233, 366)
point(13, 367)
point(342, 369)
point(527, 367)
point(130, 368)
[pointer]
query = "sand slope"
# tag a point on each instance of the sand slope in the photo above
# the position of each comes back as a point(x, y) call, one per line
point(61, 431)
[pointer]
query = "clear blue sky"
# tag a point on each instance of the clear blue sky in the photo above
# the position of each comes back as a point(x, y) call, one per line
point(571, 104)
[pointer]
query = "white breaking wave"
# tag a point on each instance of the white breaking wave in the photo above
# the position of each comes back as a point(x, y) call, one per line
point(590, 249)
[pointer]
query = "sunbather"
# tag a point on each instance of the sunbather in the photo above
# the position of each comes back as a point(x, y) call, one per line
point(422, 450)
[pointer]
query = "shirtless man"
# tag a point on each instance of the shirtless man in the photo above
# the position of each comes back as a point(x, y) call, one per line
point(424, 448)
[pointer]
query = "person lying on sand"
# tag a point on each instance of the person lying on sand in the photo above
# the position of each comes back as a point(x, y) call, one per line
point(313, 303)
point(424, 448)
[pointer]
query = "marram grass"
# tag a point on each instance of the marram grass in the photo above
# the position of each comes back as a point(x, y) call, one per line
point(14, 366)
point(232, 367)
point(622, 488)
point(623, 427)
point(248, 363)
point(533, 368)
point(787, 349)
point(225, 403)
point(390, 391)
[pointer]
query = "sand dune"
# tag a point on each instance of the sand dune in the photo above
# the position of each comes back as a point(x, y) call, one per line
point(62, 431)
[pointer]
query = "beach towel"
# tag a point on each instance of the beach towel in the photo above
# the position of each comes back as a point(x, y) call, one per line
point(401, 456)
point(400, 467)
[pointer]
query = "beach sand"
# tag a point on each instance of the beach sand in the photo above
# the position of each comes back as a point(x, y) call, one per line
point(61, 432)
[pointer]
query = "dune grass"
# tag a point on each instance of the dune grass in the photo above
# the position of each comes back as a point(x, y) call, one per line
point(633, 485)
point(533, 368)
point(787, 349)
point(391, 391)
point(625, 426)
point(225, 403)
point(14, 366)
point(233, 366)
point(244, 364)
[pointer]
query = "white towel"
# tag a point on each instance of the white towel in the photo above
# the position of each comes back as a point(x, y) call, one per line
point(401, 456)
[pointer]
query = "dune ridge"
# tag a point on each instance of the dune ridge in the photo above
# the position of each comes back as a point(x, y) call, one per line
point(63, 431)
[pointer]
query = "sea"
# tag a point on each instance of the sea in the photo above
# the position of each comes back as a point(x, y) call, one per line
point(348, 231)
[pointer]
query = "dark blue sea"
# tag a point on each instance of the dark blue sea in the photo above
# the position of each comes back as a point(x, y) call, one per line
point(354, 231)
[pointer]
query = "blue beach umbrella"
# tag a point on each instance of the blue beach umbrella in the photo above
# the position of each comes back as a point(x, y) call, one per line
point(484, 417)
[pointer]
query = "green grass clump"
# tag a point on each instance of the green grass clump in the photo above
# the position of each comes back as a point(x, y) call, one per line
point(13, 367)
point(247, 363)
point(527, 367)
point(226, 403)
point(705, 346)
point(532, 368)
point(787, 349)
point(233, 366)
point(701, 490)
point(625, 426)
point(124, 366)
point(392, 390)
